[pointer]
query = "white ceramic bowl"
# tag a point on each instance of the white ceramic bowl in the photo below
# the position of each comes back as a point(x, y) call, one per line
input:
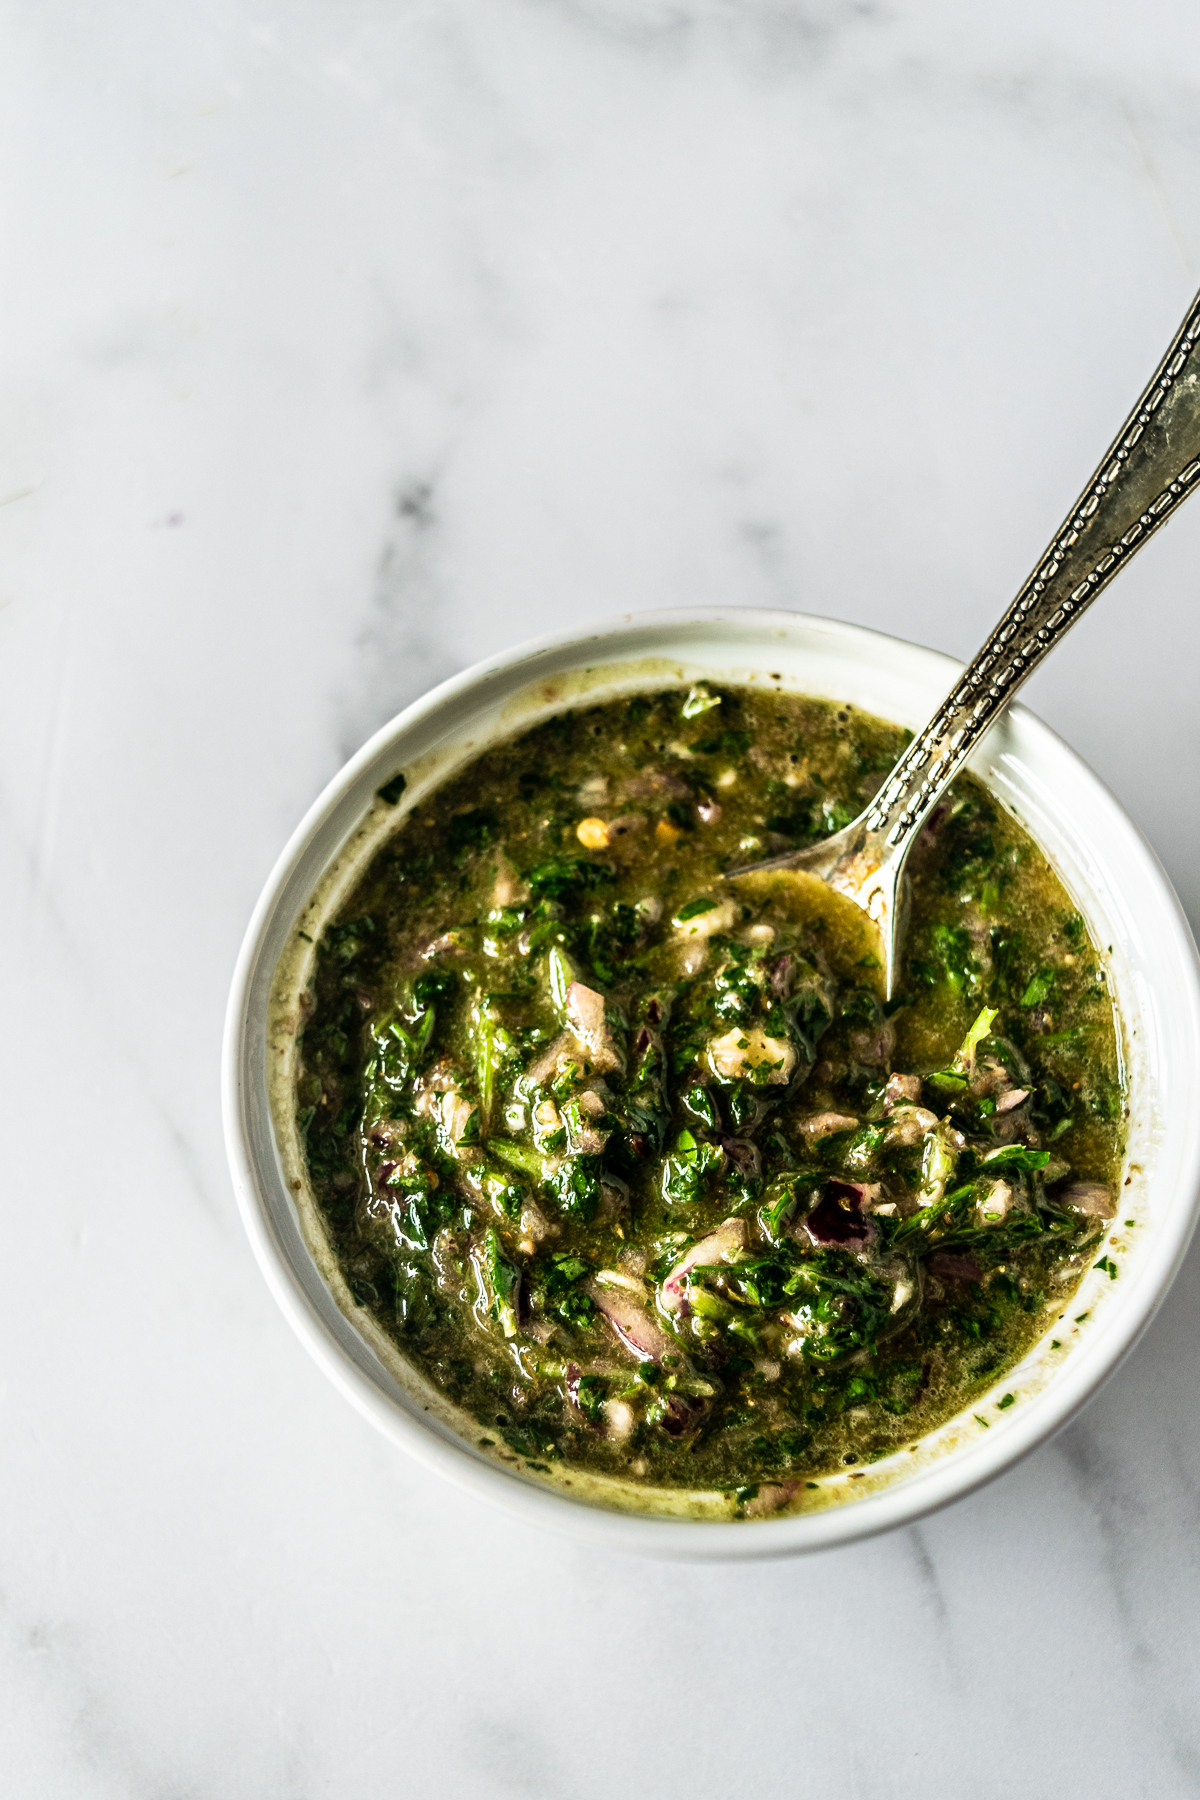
point(1102, 859)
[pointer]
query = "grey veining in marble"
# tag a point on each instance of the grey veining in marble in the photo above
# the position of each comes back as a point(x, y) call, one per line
point(344, 343)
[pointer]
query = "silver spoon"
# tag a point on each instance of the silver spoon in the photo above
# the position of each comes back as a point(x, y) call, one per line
point(1152, 465)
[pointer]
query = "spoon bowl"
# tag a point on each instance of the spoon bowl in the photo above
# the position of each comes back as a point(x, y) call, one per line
point(855, 865)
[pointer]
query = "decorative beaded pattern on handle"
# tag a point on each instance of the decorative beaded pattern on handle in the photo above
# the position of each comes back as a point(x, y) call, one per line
point(1168, 467)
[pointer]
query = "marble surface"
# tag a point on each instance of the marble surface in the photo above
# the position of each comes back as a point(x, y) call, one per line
point(343, 344)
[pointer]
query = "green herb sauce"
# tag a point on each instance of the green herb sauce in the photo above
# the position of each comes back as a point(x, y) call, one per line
point(632, 1162)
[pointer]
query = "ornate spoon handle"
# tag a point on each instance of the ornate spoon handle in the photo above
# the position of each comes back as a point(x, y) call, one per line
point(1152, 465)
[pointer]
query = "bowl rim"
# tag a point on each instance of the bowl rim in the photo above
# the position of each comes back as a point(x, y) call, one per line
point(1085, 1369)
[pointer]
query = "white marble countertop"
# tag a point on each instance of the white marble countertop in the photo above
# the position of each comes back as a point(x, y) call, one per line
point(343, 344)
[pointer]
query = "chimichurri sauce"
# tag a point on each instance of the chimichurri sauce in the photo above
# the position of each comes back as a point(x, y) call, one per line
point(634, 1164)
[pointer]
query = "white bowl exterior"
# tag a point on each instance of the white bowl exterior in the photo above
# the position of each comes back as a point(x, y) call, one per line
point(1103, 860)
